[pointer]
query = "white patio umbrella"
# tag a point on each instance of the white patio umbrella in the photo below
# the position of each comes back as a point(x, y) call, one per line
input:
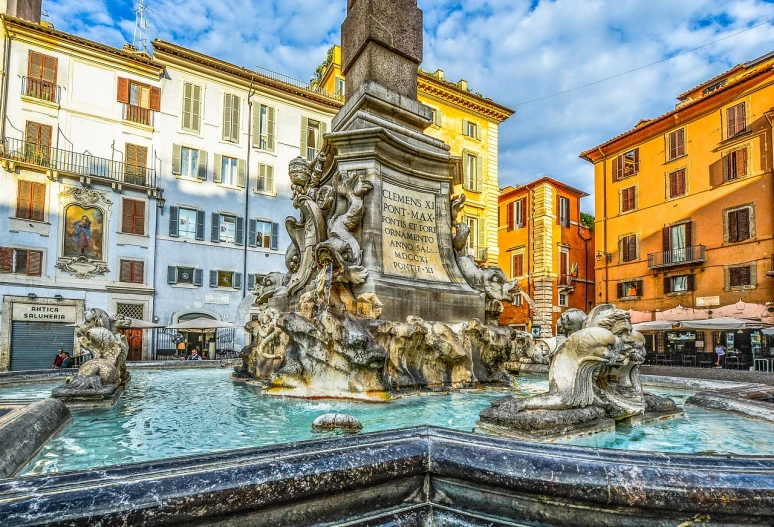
point(136, 323)
point(718, 324)
point(201, 325)
point(653, 325)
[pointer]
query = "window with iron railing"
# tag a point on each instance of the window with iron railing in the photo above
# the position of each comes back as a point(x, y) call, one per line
point(40, 89)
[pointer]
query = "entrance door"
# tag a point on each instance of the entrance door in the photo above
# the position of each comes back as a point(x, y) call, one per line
point(134, 339)
point(34, 344)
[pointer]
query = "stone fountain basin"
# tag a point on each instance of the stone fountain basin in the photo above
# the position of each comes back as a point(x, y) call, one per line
point(405, 477)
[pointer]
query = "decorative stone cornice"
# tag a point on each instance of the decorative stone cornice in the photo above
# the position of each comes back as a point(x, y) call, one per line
point(449, 93)
point(85, 196)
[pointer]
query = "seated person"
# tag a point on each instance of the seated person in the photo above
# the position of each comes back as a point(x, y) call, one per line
point(194, 355)
point(67, 362)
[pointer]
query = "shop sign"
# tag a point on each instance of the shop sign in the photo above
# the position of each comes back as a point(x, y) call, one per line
point(707, 301)
point(536, 331)
point(217, 298)
point(43, 313)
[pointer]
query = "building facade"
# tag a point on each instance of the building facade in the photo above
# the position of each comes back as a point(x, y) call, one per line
point(227, 137)
point(684, 204)
point(469, 124)
point(78, 189)
point(545, 246)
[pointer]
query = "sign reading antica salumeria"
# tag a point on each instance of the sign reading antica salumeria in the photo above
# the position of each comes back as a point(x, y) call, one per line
point(410, 234)
point(43, 313)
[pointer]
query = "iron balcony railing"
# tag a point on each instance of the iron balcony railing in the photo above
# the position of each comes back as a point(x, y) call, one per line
point(682, 256)
point(40, 89)
point(138, 114)
point(299, 84)
point(84, 165)
point(565, 280)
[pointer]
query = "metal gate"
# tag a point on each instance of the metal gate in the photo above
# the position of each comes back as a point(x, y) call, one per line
point(34, 344)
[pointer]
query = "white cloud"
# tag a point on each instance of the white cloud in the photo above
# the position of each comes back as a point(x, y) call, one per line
point(510, 50)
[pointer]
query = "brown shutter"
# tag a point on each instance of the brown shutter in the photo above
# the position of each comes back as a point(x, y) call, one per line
point(155, 99)
point(510, 213)
point(558, 209)
point(32, 132)
point(741, 162)
point(673, 184)
point(618, 168)
point(126, 271)
point(681, 142)
point(138, 270)
point(667, 284)
point(743, 218)
point(666, 240)
point(638, 286)
point(128, 216)
point(688, 235)
point(123, 90)
point(681, 186)
point(24, 200)
point(38, 201)
point(733, 226)
point(139, 217)
point(34, 263)
point(49, 68)
point(632, 247)
point(46, 132)
point(6, 260)
point(620, 289)
point(636, 161)
point(563, 263)
point(741, 121)
point(35, 65)
point(744, 276)
point(733, 277)
point(691, 282)
point(730, 121)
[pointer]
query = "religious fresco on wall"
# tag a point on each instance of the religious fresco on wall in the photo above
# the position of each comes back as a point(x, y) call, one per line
point(83, 232)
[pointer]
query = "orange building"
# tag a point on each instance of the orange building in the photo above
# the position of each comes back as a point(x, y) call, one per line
point(543, 243)
point(684, 204)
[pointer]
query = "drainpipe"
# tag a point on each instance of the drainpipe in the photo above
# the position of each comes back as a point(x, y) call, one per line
point(585, 258)
point(604, 221)
point(246, 224)
point(6, 61)
point(155, 254)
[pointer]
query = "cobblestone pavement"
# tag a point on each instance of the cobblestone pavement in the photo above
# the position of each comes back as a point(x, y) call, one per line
point(710, 373)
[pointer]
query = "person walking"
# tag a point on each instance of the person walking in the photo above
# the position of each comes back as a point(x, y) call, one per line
point(720, 351)
point(60, 355)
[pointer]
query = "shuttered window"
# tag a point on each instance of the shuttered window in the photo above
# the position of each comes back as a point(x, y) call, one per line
point(263, 234)
point(626, 165)
point(736, 120)
point(676, 146)
point(472, 165)
point(265, 180)
point(564, 212)
point(629, 289)
point(628, 199)
point(517, 265)
point(679, 284)
point(136, 162)
point(42, 67)
point(31, 200)
point(133, 220)
point(735, 164)
point(21, 261)
point(192, 107)
point(629, 248)
point(515, 214)
point(740, 276)
point(38, 134)
point(132, 271)
point(738, 225)
point(264, 127)
point(677, 186)
point(231, 107)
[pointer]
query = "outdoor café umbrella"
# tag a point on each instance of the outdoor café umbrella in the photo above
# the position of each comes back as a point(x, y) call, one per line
point(718, 324)
point(136, 323)
point(201, 325)
point(653, 325)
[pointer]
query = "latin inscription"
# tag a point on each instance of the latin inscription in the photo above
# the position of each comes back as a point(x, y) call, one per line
point(410, 234)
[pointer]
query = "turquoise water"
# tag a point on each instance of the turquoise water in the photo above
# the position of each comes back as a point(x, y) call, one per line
point(170, 413)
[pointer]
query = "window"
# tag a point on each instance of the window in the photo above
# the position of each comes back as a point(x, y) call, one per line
point(738, 225)
point(740, 276)
point(735, 164)
point(263, 127)
point(132, 271)
point(21, 261)
point(677, 242)
point(184, 275)
point(133, 221)
point(252, 280)
point(472, 168)
point(437, 116)
point(338, 85)
point(628, 199)
point(31, 200)
point(227, 228)
point(265, 180)
point(736, 120)
point(517, 265)
point(630, 288)
point(676, 144)
point(139, 100)
point(629, 248)
point(41, 77)
point(192, 107)
point(473, 236)
point(515, 211)
point(231, 107)
point(563, 299)
point(679, 284)
point(564, 211)
point(37, 148)
point(228, 171)
point(186, 223)
point(135, 164)
point(263, 234)
point(470, 129)
point(311, 137)
point(517, 299)
point(627, 165)
point(189, 162)
point(225, 279)
point(677, 186)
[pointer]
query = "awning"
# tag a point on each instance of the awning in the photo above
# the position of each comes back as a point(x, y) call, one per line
point(654, 325)
point(200, 324)
point(715, 323)
point(136, 323)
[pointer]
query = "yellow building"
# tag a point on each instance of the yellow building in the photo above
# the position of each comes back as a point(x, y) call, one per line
point(684, 204)
point(468, 123)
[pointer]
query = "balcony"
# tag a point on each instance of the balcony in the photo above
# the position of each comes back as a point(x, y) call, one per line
point(40, 89)
point(565, 280)
point(138, 114)
point(675, 257)
point(69, 163)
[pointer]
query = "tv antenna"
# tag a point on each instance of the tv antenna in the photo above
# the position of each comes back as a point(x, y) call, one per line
point(141, 27)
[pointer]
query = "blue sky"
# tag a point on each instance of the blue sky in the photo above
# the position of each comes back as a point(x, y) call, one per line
point(510, 50)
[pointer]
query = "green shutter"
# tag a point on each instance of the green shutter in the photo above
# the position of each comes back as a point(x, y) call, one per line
point(256, 128)
point(196, 109)
point(465, 127)
point(202, 174)
point(270, 179)
point(270, 130)
point(478, 131)
point(323, 131)
point(226, 117)
point(235, 109)
point(241, 173)
point(187, 106)
point(304, 128)
point(479, 172)
point(217, 168)
point(465, 171)
point(176, 153)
